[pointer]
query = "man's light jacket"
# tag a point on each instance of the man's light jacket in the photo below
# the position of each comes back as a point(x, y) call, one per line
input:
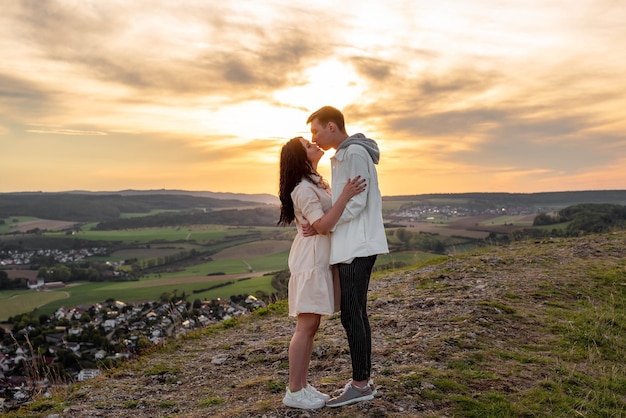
point(360, 231)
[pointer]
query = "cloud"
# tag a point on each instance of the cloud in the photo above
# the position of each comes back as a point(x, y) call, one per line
point(47, 130)
point(371, 68)
point(502, 93)
point(20, 98)
point(160, 54)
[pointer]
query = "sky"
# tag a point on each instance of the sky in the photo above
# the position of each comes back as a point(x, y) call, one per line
point(482, 96)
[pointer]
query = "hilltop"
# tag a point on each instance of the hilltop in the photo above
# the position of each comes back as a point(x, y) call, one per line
point(534, 328)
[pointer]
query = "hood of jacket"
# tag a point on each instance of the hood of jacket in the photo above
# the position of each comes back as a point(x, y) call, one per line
point(369, 144)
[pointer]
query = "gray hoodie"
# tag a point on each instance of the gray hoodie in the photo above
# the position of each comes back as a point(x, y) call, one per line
point(370, 145)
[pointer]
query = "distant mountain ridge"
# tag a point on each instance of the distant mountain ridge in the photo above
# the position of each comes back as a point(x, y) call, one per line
point(255, 197)
point(82, 206)
point(579, 196)
point(559, 199)
point(92, 206)
point(619, 194)
point(265, 198)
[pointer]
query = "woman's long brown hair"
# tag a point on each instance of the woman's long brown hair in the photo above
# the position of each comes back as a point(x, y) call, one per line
point(294, 166)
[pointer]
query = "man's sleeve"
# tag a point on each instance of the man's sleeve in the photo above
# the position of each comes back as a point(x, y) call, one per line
point(355, 163)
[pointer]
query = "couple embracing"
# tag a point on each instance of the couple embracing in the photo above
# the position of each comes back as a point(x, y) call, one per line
point(340, 233)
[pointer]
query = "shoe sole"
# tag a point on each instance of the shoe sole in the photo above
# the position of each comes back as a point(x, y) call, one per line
point(324, 399)
point(308, 408)
point(351, 401)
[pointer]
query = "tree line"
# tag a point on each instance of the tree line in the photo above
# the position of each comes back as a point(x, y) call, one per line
point(93, 207)
point(497, 199)
point(586, 218)
point(259, 216)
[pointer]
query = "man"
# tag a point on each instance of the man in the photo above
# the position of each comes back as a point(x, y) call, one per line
point(358, 237)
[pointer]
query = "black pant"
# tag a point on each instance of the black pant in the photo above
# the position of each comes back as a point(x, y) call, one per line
point(355, 280)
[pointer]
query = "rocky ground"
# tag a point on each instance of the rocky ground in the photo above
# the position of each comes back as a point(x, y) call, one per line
point(467, 320)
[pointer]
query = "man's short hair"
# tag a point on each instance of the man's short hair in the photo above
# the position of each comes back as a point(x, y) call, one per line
point(328, 114)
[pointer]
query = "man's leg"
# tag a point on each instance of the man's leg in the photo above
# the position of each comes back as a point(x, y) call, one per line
point(355, 278)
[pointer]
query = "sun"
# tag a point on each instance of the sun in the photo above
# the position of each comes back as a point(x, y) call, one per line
point(329, 83)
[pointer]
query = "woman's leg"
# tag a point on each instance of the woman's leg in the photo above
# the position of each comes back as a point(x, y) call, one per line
point(300, 349)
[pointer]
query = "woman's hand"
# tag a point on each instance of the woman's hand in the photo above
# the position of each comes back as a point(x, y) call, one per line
point(327, 222)
point(354, 186)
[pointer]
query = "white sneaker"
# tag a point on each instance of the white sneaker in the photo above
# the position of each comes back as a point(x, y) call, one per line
point(316, 393)
point(302, 399)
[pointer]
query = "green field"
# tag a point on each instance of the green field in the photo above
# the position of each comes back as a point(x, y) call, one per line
point(517, 220)
point(271, 262)
point(149, 213)
point(9, 223)
point(189, 279)
point(16, 302)
point(196, 233)
point(242, 255)
point(186, 281)
point(155, 250)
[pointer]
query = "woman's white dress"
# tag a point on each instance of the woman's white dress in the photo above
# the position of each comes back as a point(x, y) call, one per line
point(311, 281)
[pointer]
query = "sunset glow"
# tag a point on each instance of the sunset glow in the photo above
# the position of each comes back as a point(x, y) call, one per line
point(483, 96)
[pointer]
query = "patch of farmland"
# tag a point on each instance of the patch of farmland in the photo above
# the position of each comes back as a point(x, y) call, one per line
point(27, 301)
point(22, 273)
point(141, 253)
point(517, 220)
point(447, 230)
point(476, 227)
point(253, 249)
point(490, 223)
point(43, 224)
point(198, 279)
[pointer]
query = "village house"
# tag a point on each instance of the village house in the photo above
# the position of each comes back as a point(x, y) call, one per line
point(55, 338)
point(75, 331)
point(75, 347)
point(109, 325)
point(36, 283)
point(60, 313)
point(156, 325)
point(6, 364)
point(21, 354)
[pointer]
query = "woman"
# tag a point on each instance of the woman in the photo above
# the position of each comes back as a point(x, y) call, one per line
point(305, 198)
